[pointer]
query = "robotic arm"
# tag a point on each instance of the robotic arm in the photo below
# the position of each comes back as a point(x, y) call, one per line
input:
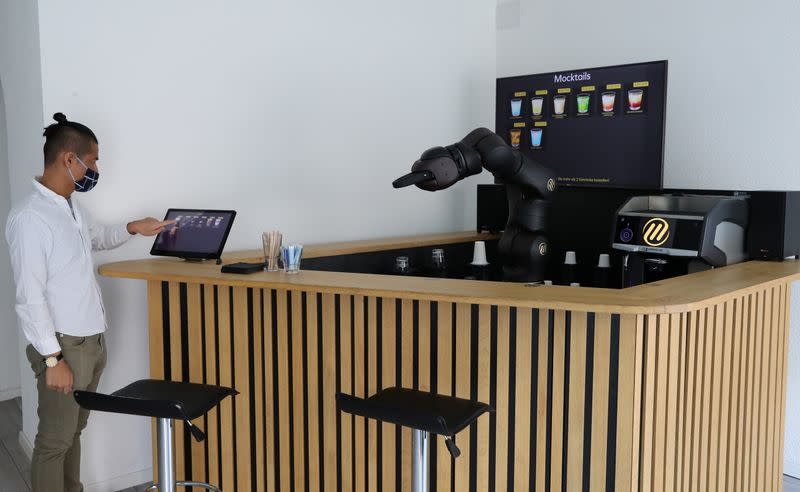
point(523, 247)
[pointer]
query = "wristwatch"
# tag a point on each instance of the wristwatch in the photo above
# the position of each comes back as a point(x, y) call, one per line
point(53, 361)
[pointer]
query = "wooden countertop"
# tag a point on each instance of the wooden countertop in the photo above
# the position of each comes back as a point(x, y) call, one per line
point(673, 295)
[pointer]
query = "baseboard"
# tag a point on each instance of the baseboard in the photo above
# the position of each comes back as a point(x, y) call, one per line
point(122, 482)
point(791, 469)
point(26, 445)
point(10, 394)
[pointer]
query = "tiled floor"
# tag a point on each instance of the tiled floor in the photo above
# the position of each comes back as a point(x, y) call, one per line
point(15, 468)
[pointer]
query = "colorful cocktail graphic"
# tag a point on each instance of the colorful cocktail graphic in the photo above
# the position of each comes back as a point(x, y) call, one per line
point(583, 103)
point(559, 104)
point(635, 99)
point(536, 137)
point(609, 99)
point(516, 107)
point(536, 106)
point(516, 135)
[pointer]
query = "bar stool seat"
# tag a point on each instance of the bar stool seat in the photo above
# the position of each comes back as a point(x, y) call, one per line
point(166, 401)
point(438, 414)
point(423, 412)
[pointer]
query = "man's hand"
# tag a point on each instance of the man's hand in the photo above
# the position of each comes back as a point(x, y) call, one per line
point(148, 226)
point(59, 378)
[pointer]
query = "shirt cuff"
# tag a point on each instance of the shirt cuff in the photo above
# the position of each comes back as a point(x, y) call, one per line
point(123, 231)
point(47, 346)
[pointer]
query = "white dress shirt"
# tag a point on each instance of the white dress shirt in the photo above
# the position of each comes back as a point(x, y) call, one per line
point(51, 243)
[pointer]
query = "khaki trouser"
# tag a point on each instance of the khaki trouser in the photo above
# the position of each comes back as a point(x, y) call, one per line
point(56, 464)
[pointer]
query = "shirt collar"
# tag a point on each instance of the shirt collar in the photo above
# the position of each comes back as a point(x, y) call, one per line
point(47, 192)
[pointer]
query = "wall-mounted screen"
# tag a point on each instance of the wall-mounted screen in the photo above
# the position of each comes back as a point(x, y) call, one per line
point(593, 127)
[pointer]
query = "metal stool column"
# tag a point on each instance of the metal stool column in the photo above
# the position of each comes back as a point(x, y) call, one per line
point(166, 456)
point(419, 464)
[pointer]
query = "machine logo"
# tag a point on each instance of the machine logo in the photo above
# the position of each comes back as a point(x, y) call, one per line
point(551, 184)
point(542, 248)
point(655, 231)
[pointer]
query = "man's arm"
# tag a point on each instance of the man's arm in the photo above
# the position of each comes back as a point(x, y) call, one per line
point(30, 242)
point(110, 237)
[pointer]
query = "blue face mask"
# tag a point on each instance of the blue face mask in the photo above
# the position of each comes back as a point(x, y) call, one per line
point(89, 179)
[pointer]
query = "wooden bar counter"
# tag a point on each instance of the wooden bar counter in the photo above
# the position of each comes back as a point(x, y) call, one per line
point(673, 385)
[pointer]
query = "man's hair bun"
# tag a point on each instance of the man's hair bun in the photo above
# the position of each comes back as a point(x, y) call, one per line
point(59, 117)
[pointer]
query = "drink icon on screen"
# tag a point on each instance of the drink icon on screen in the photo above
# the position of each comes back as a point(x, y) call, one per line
point(609, 98)
point(516, 136)
point(536, 137)
point(536, 106)
point(583, 103)
point(559, 104)
point(635, 99)
point(516, 107)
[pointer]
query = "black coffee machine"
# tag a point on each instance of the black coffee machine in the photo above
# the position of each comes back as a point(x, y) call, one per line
point(665, 236)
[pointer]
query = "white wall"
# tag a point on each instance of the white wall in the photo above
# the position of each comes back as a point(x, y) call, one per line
point(20, 73)
point(732, 118)
point(9, 348)
point(297, 114)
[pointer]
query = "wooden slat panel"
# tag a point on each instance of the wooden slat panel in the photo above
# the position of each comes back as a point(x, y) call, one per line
point(600, 396)
point(242, 368)
point(781, 389)
point(728, 334)
point(661, 399)
point(360, 423)
point(766, 335)
point(155, 312)
point(776, 324)
point(649, 404)
point(693, 340)
point(463, 366)
point(783, 355)
point(756, 394)
point(632, 459)
point(259, 397)
point(502, 408)
point(743, 396)
point(682, 390)
point(424, 346)
point(672, 392)
point(444, 365)
point(195, 344)
point(372, 388)
point(557, 421)
point(270, 390)
point(522, 424)
point(315, 471)
point(752, 350)
point(715, 391)
point(329, 389)
point(284, 387)
point(542, 446)
point(389, 372)
point(346, 345)
point(707, 324)
point(212, 430)
point(484, 353)
point(735, 396)
point(577, 389)
point(295, 392)
point(224, 306)
point(407, 379)
point(175, 358)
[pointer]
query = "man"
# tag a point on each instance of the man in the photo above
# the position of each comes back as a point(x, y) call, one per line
point(58, 301)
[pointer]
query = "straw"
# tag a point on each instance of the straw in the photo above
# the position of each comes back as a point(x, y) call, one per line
point(271, 242)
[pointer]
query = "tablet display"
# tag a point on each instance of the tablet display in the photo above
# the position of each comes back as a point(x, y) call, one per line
point(196, 234)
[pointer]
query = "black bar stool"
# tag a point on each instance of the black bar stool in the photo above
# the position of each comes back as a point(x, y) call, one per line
point(424, 413)
point(166, 401)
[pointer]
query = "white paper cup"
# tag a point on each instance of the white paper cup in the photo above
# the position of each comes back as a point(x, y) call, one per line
point(479, 253)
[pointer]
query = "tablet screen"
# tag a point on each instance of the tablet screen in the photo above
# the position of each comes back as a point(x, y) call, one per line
point(195, 234)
